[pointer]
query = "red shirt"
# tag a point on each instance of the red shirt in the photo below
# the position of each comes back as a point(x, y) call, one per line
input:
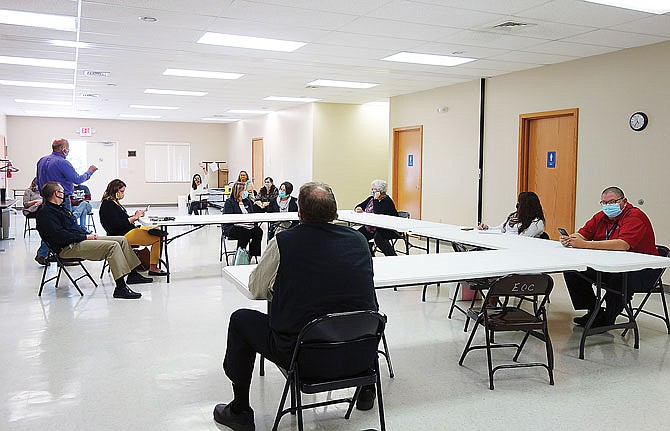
point(632, 226)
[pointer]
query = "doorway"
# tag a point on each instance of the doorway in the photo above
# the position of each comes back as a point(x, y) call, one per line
point(407, 169)
point(101, 154)
point(548, 164)
point(257, 162)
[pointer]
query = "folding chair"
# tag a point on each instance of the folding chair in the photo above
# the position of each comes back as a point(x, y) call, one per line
point(332, 352)
point(27, 227)
point(60, 262)
point(495, 318)
point(90, 222)
point(223, 251)
point(657, 287)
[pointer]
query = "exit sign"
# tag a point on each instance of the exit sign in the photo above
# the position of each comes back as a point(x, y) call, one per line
point(85, 131)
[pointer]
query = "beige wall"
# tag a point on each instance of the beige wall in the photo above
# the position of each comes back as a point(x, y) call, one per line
point(450, 149)
point(29, 138)
point(607, 89)
point(350, 149)
point(287, 142)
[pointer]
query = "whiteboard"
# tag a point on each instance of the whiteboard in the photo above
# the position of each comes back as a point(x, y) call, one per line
point(167, 162)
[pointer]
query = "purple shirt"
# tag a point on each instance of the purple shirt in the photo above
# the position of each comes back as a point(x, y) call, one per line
point(55, 167)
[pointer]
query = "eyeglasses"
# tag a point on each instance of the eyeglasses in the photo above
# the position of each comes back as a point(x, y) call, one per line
point(612, 201)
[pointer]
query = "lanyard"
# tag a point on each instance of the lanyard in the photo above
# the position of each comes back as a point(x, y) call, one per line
point(609, 231)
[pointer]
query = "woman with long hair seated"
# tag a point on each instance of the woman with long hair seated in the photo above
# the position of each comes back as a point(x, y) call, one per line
point(116, 221)
point(244, 233)
point(195, 201)
point(527, 220)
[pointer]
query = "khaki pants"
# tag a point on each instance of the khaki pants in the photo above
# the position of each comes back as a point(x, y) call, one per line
point(141, 236)
point(115, 249)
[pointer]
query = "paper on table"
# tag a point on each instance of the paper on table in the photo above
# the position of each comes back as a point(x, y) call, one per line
point(490, 230)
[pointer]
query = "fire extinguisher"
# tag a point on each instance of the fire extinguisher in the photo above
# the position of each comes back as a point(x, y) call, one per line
point(9, 169)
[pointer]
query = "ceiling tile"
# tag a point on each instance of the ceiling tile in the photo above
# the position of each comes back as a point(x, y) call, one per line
point(403, 10)
point(617, 39)
point(581, 13)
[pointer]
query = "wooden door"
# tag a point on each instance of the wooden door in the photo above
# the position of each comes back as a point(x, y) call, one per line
point(407, 162)
point(257, 162)
point(548, 165)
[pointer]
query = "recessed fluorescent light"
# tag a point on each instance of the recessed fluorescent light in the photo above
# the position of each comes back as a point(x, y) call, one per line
point(342, 84)
point(169, 108)
point(436, 60)
point(30, 19)
point(36, 84)
point(248, 111)
point(152, 117)
point(70, 43)
point(652, 6)
point(175, 92)
point(39, 62)
point(42, 102)
point(225, 120)
point(236, 41)
point(202, 74)
point(291, 99)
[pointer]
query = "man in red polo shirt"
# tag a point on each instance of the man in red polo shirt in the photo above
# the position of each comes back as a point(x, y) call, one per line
point(619, 226)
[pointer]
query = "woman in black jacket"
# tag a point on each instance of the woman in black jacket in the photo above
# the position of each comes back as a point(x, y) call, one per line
point(244, 233)
point(116, 221)
point(379, 203)
point(283, 203)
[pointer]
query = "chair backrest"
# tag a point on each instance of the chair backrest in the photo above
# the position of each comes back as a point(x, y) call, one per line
point(663, 250)
point(544, 235)
point(522, 285)
point(458, 247)
point(340, 345)
point(403, 214)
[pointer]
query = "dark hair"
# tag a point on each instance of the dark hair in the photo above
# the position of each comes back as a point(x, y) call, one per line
point(288, 186)
point(193, 182)
point(528, 208)
point(113, 187)
point(58, 144)
point(269, 178)
point(33, 184)
point(616, 190)
point(317, 203)
point(240, 174)
point(235, 190)
point(49, 189)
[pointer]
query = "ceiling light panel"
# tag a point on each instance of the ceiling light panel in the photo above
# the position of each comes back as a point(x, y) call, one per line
point(202, 74)
point(341, 84)
point(431, 59)
point(249, 42)
point(291, 99)
point(658, 7)
point(31, 19)
point(167, 108)
point(37, 84)
point(146, 117)
point(70, 43)
point(38, 62)
point(223, 120)
point(175, 92)
point(248, 111)
point(43, 102)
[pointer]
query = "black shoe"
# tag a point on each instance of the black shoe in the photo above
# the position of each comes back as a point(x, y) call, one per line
point(158, 273)
point(366, 399)
point(137, 278)
point(243, 421)
point(41, 260)
point(123, 292)
point(601, 320)
point(581, 321)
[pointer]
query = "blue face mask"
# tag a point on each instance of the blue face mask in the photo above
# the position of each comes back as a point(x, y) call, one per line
point(245, 194)
point(282, 194)
point(612, 210)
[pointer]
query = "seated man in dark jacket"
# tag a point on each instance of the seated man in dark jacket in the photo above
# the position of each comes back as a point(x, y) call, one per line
point(308, 271)
point(64, 236)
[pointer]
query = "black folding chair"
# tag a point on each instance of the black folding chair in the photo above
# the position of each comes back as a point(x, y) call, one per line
point(61, 263)
point(27, 227)
point(332, 352)
point(502, 318)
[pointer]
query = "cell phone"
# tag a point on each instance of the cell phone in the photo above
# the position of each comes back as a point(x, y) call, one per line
point(563, 231)
point(467, 228)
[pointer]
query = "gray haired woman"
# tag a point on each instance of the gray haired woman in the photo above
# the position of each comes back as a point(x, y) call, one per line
point(379, 203)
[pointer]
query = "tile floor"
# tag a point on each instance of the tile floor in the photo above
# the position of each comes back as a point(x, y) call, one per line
point(96, 363)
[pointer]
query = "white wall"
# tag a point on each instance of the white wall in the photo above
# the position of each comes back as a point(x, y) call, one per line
point(287, 145)
point(3, 124)
point(29, 138)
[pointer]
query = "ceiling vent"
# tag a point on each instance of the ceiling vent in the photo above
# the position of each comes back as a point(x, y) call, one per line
point(512, 24)
point(96, 73)
point(90, 95)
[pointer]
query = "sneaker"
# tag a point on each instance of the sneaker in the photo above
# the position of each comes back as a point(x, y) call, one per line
point(366, 398)
point(244, 421)
point(42, 260)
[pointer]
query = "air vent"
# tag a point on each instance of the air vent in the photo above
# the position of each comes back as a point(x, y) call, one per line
point(96, 73)
point(90, 95)
point(511, 24)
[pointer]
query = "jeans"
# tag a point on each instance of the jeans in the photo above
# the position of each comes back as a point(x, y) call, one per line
point(81, 212)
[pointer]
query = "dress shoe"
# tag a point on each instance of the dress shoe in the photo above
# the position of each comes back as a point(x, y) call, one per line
point(243, 421)
point(366, 398)
point(601, 319)
point(41, 260)
point(137, 278)
point(124, 292)
point(158, 273)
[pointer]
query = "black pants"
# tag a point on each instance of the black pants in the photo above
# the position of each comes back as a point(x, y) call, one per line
point(249, 333)
point(245, 236)
point(583, 297)
point(194, 207)
point(382, 238)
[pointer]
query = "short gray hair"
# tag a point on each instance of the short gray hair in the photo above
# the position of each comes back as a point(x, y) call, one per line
point(380, 185)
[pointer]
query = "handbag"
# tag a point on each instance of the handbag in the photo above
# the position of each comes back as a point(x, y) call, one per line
point(143, 255)
point(241, 257)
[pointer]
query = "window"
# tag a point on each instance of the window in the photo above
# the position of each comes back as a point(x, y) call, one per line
point(167, 162)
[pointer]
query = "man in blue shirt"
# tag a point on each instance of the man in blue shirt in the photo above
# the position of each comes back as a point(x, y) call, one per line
point(55, 167)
